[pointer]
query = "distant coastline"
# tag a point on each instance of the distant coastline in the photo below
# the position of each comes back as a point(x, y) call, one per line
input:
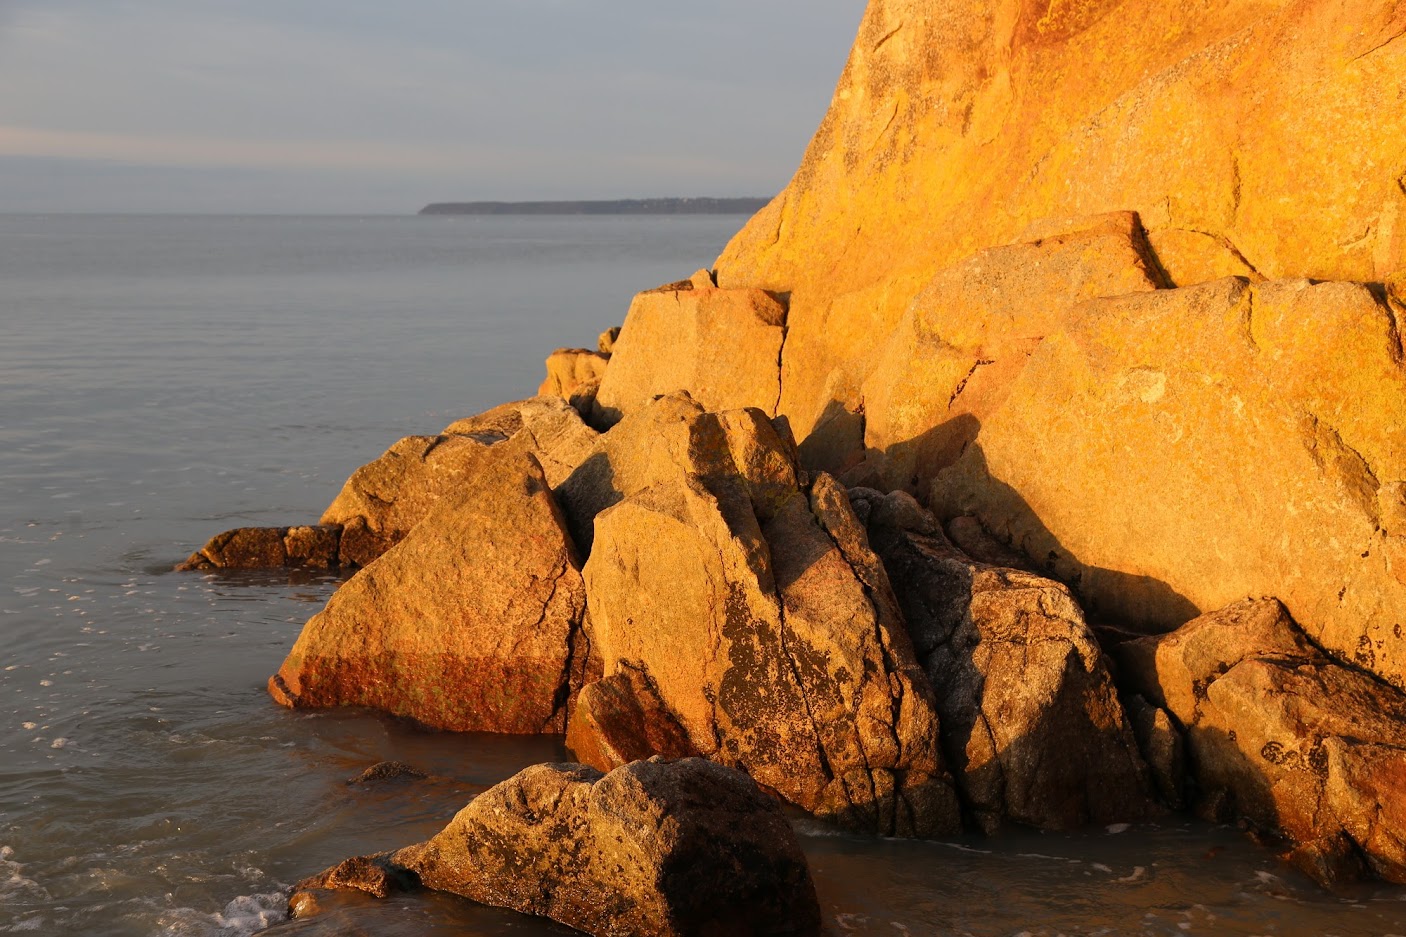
point(625, 206)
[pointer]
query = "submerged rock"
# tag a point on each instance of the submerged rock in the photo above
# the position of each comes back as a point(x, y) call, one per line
point(1031, 722)
point(1306, 750)
point(471, 623)
point(655, 849)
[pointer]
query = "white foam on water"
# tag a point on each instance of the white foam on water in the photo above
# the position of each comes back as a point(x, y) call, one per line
point(249, 914)
point(1117, 828)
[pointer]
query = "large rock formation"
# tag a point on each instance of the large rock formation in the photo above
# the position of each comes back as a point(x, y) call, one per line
point(471, 623)
point(1238, 130)
point(1031, 722)
point(1305, 749)
point(1171, 452)
point(656, 849)
point(767, 628)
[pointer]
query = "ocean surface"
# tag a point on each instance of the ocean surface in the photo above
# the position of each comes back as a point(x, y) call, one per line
point(165, 378)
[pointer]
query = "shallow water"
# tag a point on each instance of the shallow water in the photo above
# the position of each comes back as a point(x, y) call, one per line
point(165, 378)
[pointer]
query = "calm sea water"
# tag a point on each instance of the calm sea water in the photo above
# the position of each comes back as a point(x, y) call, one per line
point(165, 378)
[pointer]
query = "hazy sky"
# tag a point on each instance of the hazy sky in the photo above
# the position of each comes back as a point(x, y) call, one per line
point(355, 105)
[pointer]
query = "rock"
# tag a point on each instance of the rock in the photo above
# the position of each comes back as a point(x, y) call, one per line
point(772, 635)
point(950, 360)
point(471, 623)
point(384, 499)
point(375, 875)
point(569, 368)
point(956, 126)
point(1169, 452)
point(721, 346)
point(268, 548)
point(1277, 734)
point(606, 342)
point(1031, 722)
point(620, 719)
point(653, 849)
point(670, 434)
point(1160, 741)
point(389, 771)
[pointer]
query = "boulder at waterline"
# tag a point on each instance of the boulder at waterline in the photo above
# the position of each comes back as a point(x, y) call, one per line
point(1031, 722)
point(269, 548)
point(722, 346)
point(654, 848)
point(619, 719)
point(766, 627)
point(391, 494)
point(471, 623)
point(1306, 750)
point(383, 499)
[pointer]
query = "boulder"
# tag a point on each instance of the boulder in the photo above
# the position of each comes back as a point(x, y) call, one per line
point(606, 341)
point(955, 126)
point(670, 434)
point(768, 629)
point(621, 718)
point(569, 368)
point(1166, 453)
point(721, 346)
point(269, 548)
point(1031, 722)
point(471, 623)
point(654, 849)
point(1307, 751)
point(951, 359)
point(385, 498)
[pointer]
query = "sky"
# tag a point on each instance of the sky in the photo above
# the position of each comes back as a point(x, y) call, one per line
point(361, 106)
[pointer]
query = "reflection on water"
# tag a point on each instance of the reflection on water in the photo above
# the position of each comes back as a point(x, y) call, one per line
point(163, 379)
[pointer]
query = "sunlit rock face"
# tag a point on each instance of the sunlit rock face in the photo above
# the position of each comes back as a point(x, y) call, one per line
point(1060, 267)
point(1252, 138)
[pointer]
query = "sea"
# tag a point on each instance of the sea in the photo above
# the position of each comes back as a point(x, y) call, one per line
point(163, 378)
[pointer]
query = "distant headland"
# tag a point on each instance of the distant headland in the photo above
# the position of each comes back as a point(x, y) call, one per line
point(624, 206)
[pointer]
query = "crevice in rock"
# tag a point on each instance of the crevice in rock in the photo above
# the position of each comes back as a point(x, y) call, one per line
point(886, 37)
point(962, 384)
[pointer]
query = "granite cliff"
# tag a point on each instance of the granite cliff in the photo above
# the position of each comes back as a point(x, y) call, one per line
point(1037, 457)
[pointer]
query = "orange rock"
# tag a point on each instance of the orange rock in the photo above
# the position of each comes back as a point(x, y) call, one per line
point(1302, 748)
point(471, 623)
point(1169, 452)
point(1031, 722)
point(569, 368)
point(722, 346)
point(620, 719)
point(384, 499)
point(767, 628)
point(1250, 137)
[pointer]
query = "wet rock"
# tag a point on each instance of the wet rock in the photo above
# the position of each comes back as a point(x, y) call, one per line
point(653, 848)
point(389, 771)
point(569, 368)
point(269, 548)
point(620, 719)
point(1309, 752)
point(721, 346)
point(768, 630)
point(1031, 722)
point(471, 623)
